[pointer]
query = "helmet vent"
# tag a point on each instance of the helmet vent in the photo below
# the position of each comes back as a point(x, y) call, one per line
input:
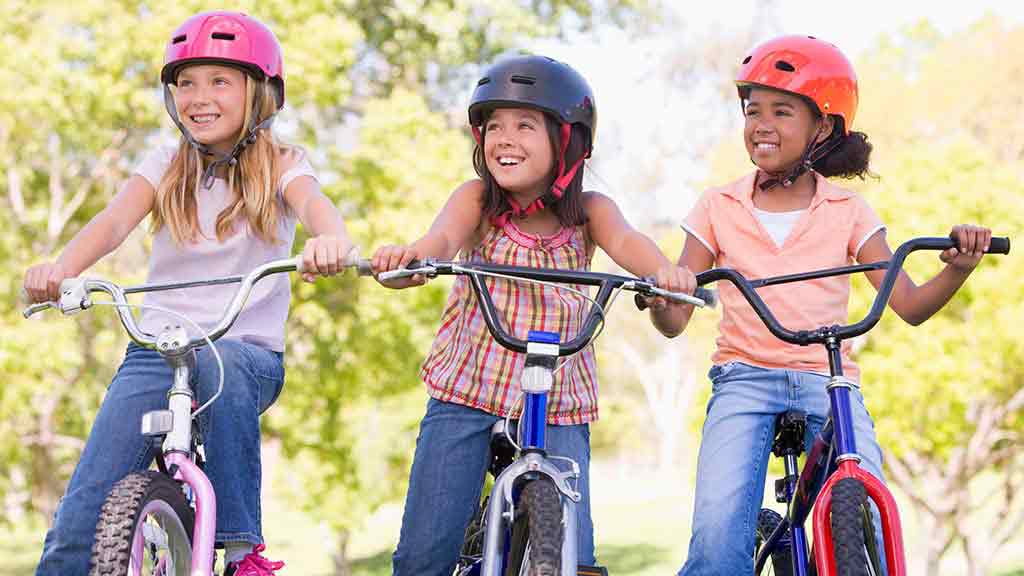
point(518, 79)
point(179, 39)
point(785, 66)
point(484, 80)
point(746, 60)
point(222, 36)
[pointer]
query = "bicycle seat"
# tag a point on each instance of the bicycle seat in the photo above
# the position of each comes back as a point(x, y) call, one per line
point(503, 453)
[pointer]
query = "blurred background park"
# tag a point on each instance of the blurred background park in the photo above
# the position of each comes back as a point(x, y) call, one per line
point(377, 91)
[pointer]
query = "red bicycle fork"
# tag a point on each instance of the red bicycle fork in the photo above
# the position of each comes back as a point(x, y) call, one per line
point(892, 532)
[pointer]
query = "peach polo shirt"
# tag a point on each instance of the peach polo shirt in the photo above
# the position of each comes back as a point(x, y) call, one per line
point(829, 233)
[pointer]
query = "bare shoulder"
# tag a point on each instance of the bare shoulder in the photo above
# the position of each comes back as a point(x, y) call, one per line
point(596, 204)
point(470, 190)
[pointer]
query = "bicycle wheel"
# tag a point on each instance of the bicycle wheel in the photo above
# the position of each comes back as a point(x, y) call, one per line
point(781, 563)
point(145, 529)
point(536, 543)
point(473, 543)
point(853, 533)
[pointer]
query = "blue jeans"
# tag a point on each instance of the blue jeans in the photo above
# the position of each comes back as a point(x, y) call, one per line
point(452, 455)
point(253, 378)
point(733, 460)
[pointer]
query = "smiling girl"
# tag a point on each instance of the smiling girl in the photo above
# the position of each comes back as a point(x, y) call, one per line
point(534, 121)
point(799, 97)
point(223, 201)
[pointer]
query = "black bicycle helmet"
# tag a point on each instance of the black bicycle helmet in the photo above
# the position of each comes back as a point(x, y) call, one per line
point(543, 84)
point(536, 82)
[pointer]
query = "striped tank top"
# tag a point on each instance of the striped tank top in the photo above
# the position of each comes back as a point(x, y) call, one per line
point(467, 366)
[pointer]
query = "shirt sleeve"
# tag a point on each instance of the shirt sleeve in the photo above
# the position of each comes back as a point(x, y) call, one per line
point(155, 164)
point(865, 224)
point(698, 223)
point(302, 168)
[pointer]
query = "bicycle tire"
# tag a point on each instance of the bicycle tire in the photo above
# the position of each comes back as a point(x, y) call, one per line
point(781, 562)
point(852, 528)
point(151, 506)
point(473, 541)
point(537, 533)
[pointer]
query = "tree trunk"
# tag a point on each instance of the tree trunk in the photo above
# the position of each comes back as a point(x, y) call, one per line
point(342, 566)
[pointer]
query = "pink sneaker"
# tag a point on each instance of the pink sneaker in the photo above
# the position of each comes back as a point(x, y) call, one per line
point(253, 564)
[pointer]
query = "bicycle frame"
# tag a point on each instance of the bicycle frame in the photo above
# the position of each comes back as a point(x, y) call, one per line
point(542, 351)
point(538, 376)
point(833, 456)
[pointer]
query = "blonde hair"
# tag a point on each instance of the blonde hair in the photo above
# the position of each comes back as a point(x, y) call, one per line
point(252, 181)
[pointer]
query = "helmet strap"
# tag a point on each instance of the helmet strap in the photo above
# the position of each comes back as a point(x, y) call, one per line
point(558, 187)
point(812, 153)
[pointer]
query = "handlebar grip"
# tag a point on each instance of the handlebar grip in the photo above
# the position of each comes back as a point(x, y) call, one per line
point(999, 245)
point(396, 274)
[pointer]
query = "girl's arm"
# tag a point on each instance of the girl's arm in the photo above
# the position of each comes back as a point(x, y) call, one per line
point(913, 303)
point(452, 228)
point(329, 242)
point(672, 320)
point(105, 232)
point(639, 255)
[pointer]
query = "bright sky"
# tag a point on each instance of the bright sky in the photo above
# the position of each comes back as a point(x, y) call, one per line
point(650, 130)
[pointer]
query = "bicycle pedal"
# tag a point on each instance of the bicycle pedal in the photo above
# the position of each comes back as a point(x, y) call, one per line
point(591, 571)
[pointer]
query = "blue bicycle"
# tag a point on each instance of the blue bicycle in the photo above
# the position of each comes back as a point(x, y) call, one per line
point(831, 480)
point(527, 525)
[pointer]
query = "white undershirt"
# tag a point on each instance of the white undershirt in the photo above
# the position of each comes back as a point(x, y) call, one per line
point(778, 224)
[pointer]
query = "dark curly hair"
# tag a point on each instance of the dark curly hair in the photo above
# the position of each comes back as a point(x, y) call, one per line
point(850, 157)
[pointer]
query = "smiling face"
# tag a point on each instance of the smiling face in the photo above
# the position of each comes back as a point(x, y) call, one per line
point(211, 104)
point(518, 151)
point(777, 128)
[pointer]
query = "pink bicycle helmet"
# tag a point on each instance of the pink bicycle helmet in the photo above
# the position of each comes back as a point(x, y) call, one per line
point(231, 38)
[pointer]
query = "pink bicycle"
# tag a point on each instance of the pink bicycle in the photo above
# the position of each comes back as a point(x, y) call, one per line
point(162, 522)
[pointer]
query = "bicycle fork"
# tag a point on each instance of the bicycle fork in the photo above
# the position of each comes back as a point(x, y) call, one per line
point(537, 381)
point(848, 462)
point(175, 425)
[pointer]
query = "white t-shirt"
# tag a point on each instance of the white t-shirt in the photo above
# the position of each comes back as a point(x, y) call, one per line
point(262, 320)
point(778, 224)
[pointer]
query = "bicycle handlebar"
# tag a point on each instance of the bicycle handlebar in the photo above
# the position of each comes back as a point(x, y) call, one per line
point(997, 245)
point(75, 297)
point(606, 283)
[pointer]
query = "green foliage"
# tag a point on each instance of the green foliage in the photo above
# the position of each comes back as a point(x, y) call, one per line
point(921, 380)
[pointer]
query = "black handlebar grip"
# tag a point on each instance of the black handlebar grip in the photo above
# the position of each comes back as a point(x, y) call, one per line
point(999, 245)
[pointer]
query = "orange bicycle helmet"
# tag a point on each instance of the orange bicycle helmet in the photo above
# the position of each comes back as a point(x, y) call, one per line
point(807, 66)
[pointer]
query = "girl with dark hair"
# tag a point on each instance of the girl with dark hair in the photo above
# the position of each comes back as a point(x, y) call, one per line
point(799, 96)
point(534, 121)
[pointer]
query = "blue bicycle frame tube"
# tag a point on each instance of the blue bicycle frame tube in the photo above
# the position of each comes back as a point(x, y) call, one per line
point(538, 377)
point(535, 409)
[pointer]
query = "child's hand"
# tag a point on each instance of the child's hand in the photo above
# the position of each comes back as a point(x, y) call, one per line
point(42, 282)
point(392, 258)
point(674, 279)
point(324, 256)
point(973, 242)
